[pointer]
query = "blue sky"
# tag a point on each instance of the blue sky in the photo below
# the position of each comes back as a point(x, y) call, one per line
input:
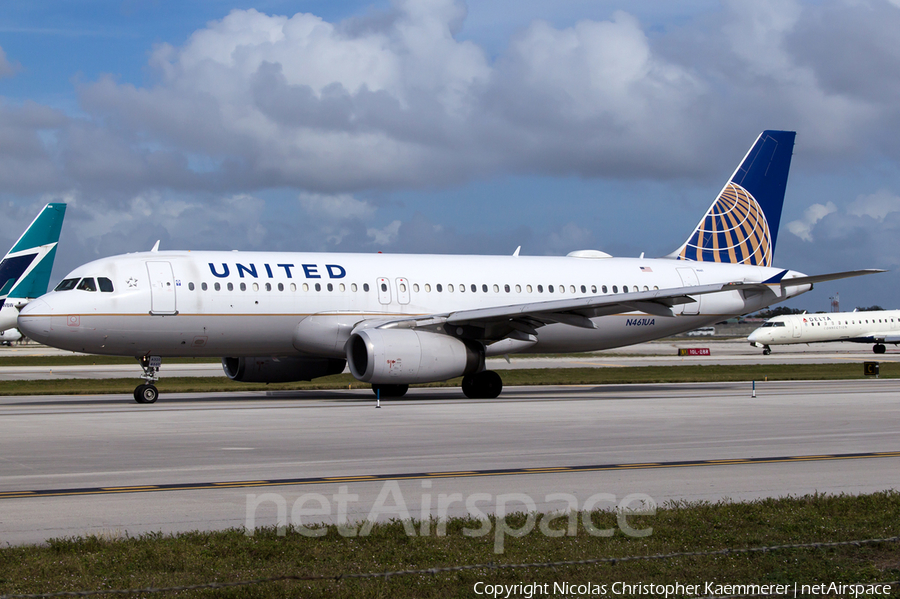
point(436, 126)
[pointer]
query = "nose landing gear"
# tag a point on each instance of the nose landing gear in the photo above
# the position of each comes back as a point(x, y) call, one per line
point(766, 350)
point(147, 392)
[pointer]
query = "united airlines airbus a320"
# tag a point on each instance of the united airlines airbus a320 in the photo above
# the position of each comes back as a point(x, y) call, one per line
point(405, 319)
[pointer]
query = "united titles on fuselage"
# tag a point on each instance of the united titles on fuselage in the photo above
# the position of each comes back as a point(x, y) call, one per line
point(310, 271)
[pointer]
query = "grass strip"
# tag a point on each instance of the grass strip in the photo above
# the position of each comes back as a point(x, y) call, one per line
point(156, 560)
point(537, 376)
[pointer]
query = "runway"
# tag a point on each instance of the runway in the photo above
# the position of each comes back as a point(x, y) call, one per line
point(106, 465)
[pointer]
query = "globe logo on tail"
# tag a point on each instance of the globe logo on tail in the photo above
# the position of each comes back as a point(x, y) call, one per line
point(734, 230)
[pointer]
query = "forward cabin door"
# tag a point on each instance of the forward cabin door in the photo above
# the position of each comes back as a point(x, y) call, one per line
point(162, 288)
point(795, 325)
point(689, 279)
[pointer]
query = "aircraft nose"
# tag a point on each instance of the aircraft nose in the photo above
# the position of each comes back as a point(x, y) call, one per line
point(34, 320)
point(753, 336)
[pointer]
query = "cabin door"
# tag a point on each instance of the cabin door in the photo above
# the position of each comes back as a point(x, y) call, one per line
point(162, 288)
point(689, 279)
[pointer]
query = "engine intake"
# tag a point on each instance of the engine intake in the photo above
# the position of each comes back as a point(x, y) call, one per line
point(403, 356)
point(280, 370)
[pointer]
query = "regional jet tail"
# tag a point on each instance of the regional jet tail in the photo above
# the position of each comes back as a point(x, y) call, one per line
point(25, 270)
point(398, 320)
point(878, 328)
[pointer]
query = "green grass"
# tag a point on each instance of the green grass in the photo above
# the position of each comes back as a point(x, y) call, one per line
point(537, 376)
point(195, 558)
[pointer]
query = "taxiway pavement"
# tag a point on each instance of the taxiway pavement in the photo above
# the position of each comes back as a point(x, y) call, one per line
point(106, 465)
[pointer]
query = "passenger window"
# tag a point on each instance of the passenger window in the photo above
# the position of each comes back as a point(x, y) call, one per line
point(402, 287)
point(462, 288)
point(203, 286)
point(646, 288)
point(106, 285)
point(318, 287)
point(268, 286)
point(342, 287)
point(497, 288)
point(294, 287)
point(330, 287)
point(506, 288)
point(518, 289)
point(415, 287)
point(528, 288)
point(438, 287)
point(255, 287)
point(624, 288)
point(365, 286)
point(306, 287)
point(243, 286)
point(572, 288)
point(583, 289)
point(593, 289)
point(353, 287)
point(604, 289)
point(190, 286)
point(87, 284)
point(218, 287)
point(427, 287)
point(540, 288)
point(615, 289)
point(66, 285)
point(230, 286)
point(549, 288)
point(383, 287)
point(474, 288)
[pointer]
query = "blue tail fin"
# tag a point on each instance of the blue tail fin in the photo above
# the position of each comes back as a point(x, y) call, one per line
point(25, 270)
point(741, 226)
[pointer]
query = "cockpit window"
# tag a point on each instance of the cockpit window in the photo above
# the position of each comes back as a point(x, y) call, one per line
point(87, 284)
point(106, 285)
point(66, 284)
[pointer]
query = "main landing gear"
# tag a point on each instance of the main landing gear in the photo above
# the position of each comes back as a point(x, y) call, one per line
point(147, 392)
point(486, 384)
point(879, 348)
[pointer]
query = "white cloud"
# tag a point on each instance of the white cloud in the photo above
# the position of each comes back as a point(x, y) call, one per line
point(803, 227)
point(877, 205)
point(336, 207)
point(386, 235)
point(7, 68)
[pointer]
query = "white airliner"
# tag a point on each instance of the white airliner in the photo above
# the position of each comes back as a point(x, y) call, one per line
point(401, 319)
point(878, 328)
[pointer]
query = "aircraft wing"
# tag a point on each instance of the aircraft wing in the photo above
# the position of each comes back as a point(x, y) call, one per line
point(520, 320)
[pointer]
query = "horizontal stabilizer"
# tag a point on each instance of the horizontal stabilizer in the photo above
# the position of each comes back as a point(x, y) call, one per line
point(829, 277)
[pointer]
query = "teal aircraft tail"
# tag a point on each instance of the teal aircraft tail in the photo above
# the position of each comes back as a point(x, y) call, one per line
point(25, 270)
point(741, 226)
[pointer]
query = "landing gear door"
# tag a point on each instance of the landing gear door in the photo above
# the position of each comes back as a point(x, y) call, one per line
point(689, 279)
point(162, 288)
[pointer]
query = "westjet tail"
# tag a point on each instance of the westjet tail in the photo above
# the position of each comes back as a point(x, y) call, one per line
point(25, 270)
point(397, 320)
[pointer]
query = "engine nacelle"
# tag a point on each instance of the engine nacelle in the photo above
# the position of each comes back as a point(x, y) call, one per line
point(280, 370)
point(403, 356)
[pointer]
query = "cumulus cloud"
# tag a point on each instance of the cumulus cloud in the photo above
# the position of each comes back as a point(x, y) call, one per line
point(803, 227)
point(877, 205)
point(7, 68)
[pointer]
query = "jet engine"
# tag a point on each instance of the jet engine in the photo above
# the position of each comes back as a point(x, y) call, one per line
point(280, 370)
point(403, 356)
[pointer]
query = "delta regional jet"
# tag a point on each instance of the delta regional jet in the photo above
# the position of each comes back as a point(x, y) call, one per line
point(876, 327)
point(403, 319)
